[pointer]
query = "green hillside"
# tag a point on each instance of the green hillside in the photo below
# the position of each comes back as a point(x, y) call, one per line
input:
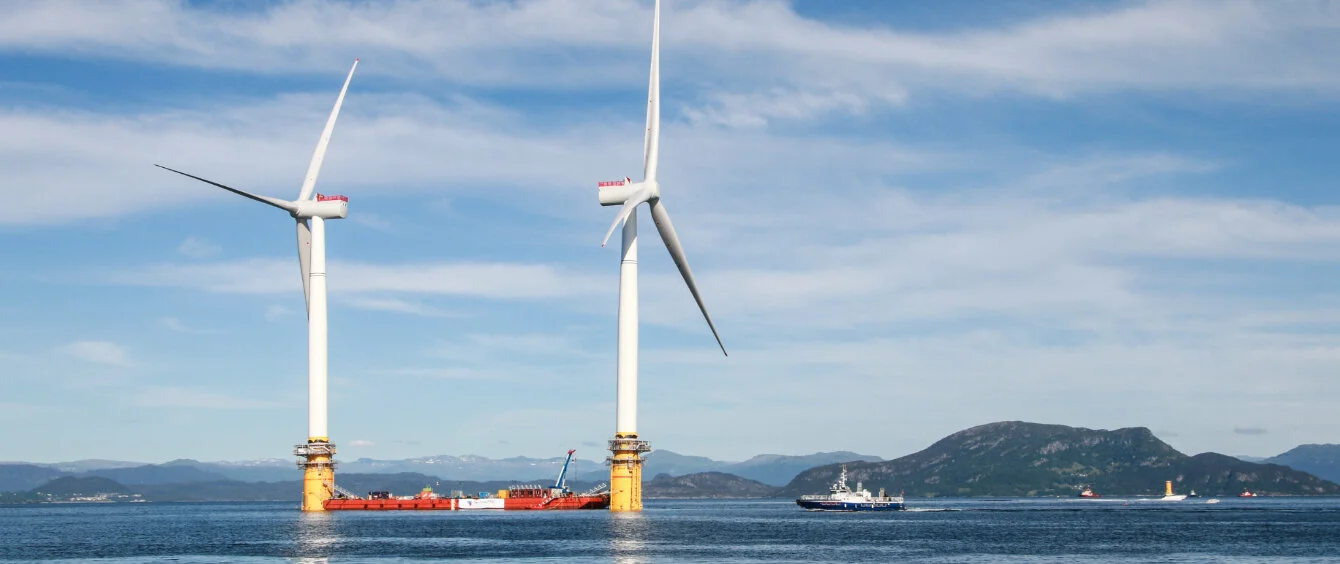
point(1015, 458)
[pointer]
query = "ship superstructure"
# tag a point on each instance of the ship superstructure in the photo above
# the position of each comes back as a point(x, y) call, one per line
point(840, 497)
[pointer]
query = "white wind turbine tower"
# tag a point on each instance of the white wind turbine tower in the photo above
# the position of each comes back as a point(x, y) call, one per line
point(626, 462)
point(316, 455)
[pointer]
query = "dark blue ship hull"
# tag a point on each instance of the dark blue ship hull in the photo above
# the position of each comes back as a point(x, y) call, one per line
point(813, 505)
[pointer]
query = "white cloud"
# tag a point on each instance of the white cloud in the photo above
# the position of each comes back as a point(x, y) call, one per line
point(175, 324)
point(451, 373)
point(97, 352)
point(361, 443)
point(60, 162)
point(757, 110)
point(195, 247)
point(182, 397)
point(276, 312)
point(374, 221)
point(395, 305)
point(1147, 45)
point(269, 276)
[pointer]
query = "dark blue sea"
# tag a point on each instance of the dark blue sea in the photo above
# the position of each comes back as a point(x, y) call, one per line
point(933, 530)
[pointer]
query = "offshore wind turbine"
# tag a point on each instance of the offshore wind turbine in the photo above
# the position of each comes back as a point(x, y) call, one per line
point(626, 447)
point(316, 456)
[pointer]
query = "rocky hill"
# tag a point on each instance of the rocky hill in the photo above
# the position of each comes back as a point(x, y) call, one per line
point(71, 486)
point(1015, 458)
point(1322, 461)
point(705, 485)
point(779, 470)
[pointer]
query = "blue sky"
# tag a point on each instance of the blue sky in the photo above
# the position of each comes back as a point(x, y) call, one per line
point(905, 221)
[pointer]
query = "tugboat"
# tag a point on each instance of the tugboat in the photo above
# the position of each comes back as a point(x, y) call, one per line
point(1088, 492)
point(842, 498)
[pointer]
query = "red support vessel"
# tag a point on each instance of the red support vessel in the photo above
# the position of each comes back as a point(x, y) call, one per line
point(527, 497)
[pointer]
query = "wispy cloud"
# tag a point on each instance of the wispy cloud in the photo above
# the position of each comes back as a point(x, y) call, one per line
point(395, 305)
point(1147, 45)
point(195, 247)
point(175, 324)
point(182, 397)
point(269, 276)
point(374, 221)
point(398, 139)
point(456, 373)
point(1250, 431)
point(276, 312)
point(361, 443)
point(97, 352)
point(756, 110)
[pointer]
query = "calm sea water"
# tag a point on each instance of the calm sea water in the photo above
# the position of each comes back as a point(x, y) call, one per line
point(1005, 530)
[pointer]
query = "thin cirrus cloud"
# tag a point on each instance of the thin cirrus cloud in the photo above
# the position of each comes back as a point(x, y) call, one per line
point(195, 247)
point(273, 276)
point(1168, 44)
point(179, 326)
point(97, 352)
point(189, 398)
point(399, 144)
point(396, 305)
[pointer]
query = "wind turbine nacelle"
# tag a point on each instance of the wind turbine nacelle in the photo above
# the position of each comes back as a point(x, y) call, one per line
point(324, 209)
point(616, 192)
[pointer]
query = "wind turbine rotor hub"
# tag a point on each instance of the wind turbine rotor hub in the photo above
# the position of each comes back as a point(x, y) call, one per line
point(618, 192)
point(324, 209)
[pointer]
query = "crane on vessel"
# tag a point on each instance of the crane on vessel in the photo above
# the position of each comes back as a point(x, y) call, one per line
point(559, 484)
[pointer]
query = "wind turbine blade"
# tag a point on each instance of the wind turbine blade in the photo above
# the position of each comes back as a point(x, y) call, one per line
point(305, 260)
point(276, 202)
point(629, 206)
point(667, 231)
point(651, 146)
point(314, 169)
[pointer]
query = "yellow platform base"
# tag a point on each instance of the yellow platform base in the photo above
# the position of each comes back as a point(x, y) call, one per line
point(626, 473)
point(318, 475)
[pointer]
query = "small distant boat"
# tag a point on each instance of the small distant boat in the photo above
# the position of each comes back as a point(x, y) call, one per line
point(1088, 492)
point(1168, 493)
point(1248, 493)
point(842, 498)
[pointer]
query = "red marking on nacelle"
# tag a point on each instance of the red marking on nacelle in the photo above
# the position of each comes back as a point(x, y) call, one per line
point(325, 198)
point(609, 183)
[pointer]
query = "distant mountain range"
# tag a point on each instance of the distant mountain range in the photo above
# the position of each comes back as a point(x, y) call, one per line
point(1014, 458)
point(1322, 461)
point(705, 485)
point(771, 469)
point(1010, 458)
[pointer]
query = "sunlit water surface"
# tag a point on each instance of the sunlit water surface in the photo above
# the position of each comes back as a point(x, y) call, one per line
point(933, 530)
